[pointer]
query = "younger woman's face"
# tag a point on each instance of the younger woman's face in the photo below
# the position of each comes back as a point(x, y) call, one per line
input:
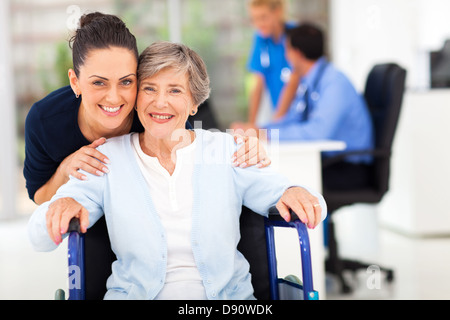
point(107, 83)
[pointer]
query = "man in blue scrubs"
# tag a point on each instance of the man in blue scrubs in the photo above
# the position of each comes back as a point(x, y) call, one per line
point(326, 106)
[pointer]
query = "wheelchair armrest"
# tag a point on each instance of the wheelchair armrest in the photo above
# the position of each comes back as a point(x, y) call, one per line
point(274, 215)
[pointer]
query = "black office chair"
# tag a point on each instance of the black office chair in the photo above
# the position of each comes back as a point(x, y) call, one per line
point(383, 93)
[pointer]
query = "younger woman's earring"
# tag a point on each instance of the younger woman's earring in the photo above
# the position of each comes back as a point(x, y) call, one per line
point(77, 95)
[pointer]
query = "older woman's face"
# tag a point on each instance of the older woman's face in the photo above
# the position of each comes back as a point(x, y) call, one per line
point(164, 103)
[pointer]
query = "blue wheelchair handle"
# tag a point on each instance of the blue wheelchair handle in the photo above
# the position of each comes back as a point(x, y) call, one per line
point(76, 261)
point(275, 220)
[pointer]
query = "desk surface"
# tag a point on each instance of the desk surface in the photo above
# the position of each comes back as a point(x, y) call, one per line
point(307, 146)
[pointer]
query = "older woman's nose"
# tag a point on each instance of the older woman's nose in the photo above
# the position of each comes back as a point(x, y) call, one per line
point(161, 100)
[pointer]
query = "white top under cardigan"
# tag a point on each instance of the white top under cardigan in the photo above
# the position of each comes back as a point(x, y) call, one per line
point(172, 196)
point(136, 232)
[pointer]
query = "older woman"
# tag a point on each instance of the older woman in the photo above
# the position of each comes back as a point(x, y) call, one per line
point(172, 199)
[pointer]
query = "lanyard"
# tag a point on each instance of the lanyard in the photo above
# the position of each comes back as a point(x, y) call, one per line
point(264, 55)
point(312, 93)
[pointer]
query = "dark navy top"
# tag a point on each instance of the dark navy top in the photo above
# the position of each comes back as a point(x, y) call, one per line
point(51, 134)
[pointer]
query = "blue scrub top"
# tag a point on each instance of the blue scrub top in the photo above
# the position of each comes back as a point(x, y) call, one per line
point(267, 57)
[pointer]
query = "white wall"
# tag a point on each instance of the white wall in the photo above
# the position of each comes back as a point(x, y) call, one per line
point(8, 185)
point(366, 32)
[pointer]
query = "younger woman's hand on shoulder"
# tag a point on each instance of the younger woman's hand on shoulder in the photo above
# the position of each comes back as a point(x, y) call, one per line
point(87, 158)
point(251, 152)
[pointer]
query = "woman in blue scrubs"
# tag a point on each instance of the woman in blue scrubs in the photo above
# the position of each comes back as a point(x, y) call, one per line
point(267, 60)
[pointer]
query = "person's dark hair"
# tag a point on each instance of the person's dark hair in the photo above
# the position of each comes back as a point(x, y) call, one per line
point(308, 39)
point(100, 31)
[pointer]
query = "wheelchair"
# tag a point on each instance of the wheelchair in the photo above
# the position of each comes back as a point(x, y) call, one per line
point(90, 258)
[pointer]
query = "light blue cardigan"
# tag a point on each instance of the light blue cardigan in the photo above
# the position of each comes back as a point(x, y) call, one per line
point(137, 235)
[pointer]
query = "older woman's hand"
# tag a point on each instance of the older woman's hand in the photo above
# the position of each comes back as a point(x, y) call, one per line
point(59, 215)
point(251, 153)
point(304, 204)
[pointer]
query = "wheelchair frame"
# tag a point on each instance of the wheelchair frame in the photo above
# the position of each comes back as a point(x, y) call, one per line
point(77, 272)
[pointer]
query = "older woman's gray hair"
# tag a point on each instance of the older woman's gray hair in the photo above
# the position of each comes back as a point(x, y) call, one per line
point(163, 55)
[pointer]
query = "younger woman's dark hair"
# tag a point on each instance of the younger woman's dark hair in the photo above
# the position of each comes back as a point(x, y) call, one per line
point(100, 31)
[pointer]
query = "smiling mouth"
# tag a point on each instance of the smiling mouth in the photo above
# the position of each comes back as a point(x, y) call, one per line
point(111, 109)
point(161, 117)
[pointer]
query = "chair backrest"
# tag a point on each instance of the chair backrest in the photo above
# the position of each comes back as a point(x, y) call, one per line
point(384, 90)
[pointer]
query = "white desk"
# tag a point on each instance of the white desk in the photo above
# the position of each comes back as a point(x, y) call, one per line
point(301, 163)
point(417, 202)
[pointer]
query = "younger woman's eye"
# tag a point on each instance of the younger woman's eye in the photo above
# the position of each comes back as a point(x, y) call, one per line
point(98, 83)
point(127, 82)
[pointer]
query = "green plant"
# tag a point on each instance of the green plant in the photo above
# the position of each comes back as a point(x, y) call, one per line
point(55, 76)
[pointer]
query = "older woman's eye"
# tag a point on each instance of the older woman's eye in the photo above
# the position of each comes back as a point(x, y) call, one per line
point(149, 89)
point(175, 91)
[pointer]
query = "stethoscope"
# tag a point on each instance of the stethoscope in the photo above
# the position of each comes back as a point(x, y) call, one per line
point(264, 58)
point(265, 63)
point(303, 105)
